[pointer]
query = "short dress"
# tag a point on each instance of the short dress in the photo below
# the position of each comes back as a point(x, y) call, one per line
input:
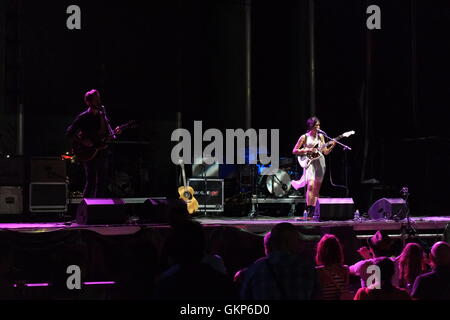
point(316, 170)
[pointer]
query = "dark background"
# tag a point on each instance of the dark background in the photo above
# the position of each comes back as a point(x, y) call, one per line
point(152, 60)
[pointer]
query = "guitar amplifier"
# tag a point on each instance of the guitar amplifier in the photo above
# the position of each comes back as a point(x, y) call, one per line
point(209, 193)
point(48, 169)
point(48, 197)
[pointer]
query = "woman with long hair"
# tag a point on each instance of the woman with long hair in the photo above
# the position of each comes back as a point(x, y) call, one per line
point(412, 264)
point(312, 143)
point(332, 273)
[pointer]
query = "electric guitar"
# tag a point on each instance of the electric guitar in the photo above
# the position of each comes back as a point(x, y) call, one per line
point(306, 160)
point(84, 151)
point(187, 193)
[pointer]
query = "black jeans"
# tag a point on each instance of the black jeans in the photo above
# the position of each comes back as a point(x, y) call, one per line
point(97, 175)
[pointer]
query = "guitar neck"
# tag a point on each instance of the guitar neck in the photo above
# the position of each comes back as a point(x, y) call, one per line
point(122, 127)
point(335, 139)
point(184, 176)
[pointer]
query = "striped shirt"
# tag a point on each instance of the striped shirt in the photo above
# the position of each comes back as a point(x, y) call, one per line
point(332, 283)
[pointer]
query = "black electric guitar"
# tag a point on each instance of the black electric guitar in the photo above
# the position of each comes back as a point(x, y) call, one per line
point(305, 160)
point(187, 193)
point(85, 150)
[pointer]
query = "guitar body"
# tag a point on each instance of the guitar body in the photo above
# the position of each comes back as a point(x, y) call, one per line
point(187, 194)
point(87, 151)
point(84, 153)
point(306, 160)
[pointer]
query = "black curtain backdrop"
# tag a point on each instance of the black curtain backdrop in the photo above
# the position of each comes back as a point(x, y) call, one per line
point(154, 60)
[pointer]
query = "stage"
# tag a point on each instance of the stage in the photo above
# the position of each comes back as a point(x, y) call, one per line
point(425, 226)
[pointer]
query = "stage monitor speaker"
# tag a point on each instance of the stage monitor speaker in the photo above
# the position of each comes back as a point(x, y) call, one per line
point(161, 210)
point(386, 208)
point(101, 211)
point(48, 169)
point(335, 208)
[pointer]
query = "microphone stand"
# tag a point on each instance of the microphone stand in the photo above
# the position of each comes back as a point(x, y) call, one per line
point(206, 186)
point(284, 186)
point(409, 228)
point(110, 130)
point(345, 148)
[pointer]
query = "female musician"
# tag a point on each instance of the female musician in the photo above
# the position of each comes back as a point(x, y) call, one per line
point(312, 143)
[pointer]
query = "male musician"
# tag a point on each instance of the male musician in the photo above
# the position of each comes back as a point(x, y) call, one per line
point(89, 129)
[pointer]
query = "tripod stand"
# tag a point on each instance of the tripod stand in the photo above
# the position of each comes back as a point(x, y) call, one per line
point(408, 230)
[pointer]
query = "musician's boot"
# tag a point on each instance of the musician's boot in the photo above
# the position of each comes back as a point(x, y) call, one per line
point(310, 210)
point(312, 213)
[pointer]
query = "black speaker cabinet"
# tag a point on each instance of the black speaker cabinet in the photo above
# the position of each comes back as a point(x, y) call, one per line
point(48, 169)
point(387, 208)
point(335, 208)
point(12, 170)
point(48, 197)
point(101, 211)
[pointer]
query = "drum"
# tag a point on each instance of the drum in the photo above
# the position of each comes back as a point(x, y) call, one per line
point(278, 184)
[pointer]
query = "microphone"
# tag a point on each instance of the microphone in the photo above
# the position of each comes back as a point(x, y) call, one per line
point(321, 131)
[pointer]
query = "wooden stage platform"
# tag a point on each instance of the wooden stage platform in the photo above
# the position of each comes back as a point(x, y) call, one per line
point(424, 226)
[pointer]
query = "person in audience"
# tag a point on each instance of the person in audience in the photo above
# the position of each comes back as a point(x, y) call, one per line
point(435, 285)
point(142, 258)
point(239, 278)
point(384, 289)
point(332, 273)
point(216, 262)
point(7, 291)
point(188, 277)
point(379, 246)
point(411, 264)
point(284, 273)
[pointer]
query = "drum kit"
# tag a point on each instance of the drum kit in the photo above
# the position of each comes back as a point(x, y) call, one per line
point(278, 185)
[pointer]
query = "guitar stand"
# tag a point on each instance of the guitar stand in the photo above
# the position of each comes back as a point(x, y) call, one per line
point(252, 214)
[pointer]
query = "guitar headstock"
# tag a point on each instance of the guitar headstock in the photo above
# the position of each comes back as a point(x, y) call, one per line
point(348, 134)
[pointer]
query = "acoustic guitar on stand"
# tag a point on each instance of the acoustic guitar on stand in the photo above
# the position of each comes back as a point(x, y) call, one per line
point(306, 160)
point(187, 193)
